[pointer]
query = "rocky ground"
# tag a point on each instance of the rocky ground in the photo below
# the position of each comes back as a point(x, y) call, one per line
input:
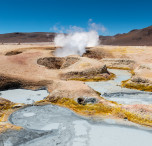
point(26, 66)
point(6, 108)
point(34, 66)
point(137, 59)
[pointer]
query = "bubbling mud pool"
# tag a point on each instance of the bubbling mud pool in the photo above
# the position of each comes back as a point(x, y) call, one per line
point(52, 125)
point(24, 96)
point(112, 90)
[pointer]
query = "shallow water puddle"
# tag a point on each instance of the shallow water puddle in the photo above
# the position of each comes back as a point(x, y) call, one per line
point(111, 90)
point(68, 129)
point(24, 96)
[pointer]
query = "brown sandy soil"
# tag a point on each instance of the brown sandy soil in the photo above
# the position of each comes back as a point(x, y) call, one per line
point(138, 60)
point(22, 70)
point(135, 58)
point(11, 47)
point(141, 54)
point(70, 89)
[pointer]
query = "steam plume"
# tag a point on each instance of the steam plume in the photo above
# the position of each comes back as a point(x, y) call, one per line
point(77, 40)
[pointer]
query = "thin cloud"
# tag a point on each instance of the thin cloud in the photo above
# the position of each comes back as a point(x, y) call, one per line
point(96, 27)
point(71, 29)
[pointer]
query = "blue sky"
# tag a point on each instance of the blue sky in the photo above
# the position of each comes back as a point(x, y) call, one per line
point(118, 16)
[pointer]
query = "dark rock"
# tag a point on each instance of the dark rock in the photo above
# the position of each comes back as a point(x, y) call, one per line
point(87, 100)
point(57, 62)
point(91, 100)
point(81, 100)
point(125, 118)
point(13, 53)
point(51, 62)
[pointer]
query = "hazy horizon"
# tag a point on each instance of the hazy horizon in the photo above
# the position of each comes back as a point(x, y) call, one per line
point(57, 32)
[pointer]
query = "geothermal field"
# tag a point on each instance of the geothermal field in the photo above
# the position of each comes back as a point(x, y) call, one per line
point(75, 91)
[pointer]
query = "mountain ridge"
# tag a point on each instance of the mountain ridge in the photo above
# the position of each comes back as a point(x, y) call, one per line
point(135, 37)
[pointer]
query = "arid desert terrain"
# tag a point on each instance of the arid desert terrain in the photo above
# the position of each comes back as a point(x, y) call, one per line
point(80, 84)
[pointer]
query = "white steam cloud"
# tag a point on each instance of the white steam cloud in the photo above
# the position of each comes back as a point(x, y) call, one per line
point(75, 43)
point(77, 39)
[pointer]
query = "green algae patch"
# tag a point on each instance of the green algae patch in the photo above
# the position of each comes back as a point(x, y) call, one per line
point(138, 86)
point(95, 79)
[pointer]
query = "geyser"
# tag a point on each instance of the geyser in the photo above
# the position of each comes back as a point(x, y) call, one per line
point(75, 43)
point(76, 38)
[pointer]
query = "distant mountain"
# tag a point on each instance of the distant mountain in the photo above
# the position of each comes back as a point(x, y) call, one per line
point(136, 37)
point(27, 37)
